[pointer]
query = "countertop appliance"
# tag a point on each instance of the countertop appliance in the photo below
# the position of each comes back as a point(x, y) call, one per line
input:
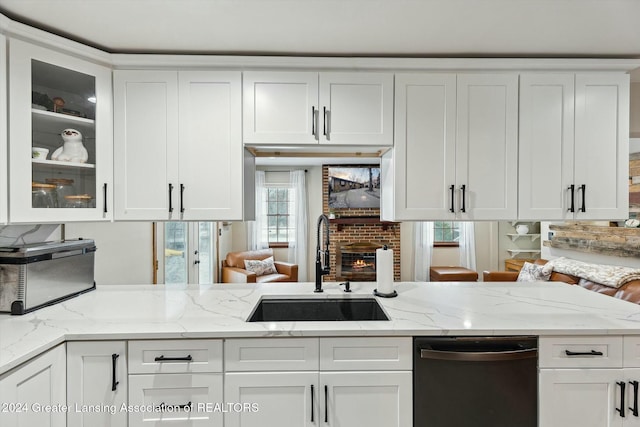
point(40, 274)
point(475, 381)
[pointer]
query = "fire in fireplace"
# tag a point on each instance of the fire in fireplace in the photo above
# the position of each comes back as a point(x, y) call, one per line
point(356, 261)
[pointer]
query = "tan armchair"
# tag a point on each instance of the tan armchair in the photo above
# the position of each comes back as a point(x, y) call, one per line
point(233, 270)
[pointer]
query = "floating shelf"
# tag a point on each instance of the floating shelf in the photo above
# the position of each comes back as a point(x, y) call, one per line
point(355, 220)
point(63, 165)
point(516, 252)
point(515, 236)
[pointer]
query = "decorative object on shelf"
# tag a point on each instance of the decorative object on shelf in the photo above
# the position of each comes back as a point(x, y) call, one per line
point(78, 201)
point(41, 101)
point(39, 153)
point(632, 223)
point(522, 228)
point(64, 187)
point(43, 195)
point(58, 104)
point(72, 149)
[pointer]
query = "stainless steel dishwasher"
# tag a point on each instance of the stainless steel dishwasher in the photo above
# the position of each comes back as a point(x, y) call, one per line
point(475, 382)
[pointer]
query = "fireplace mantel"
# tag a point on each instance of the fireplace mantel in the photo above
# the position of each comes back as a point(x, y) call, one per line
point(352, 220)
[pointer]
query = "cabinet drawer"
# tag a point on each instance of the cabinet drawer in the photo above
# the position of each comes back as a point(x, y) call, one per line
point(631, 351)
point(359, 354)
point(271, 354)
point(166, 356)
point(175, 399)
point(580, 352)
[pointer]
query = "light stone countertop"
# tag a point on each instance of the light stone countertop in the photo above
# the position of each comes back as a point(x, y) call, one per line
point(220, 311)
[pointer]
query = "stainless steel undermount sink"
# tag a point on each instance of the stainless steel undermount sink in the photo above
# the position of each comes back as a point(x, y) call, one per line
point(316, 309)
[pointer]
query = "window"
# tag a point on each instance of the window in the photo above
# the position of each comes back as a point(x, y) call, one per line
point(280, 207)
point(445, 233)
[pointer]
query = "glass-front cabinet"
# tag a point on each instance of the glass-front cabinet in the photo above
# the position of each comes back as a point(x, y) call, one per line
point(60, 139)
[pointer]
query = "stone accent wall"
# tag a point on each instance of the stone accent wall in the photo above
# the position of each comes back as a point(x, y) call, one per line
point(387, 233)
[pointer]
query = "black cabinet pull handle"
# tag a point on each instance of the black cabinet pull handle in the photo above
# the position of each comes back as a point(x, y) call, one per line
point(583, 353)
point(325, 125)
point(170, 198)
point(464, 191)
point(634, 410)
point(173, 359)
point(163, 406)
point(452, 188)
point(104, 192)
point(181, 198)
point(583, 188)
point(326, 406)
point(312, 402)
point(622, 385)
point(114, 365)
point(313, 120)
point(572, 188)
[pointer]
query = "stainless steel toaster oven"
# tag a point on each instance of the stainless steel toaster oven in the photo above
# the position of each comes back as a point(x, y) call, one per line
point(40, 274)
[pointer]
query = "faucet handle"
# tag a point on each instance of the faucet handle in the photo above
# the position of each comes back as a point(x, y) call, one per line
point(347, 286)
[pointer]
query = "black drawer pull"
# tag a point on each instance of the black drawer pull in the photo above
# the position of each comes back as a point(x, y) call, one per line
point(620, 410)
point(163, 406)
point(114, 365)
point(583, 353)
point(634, 410)
point(173, 359)
point(312, 402)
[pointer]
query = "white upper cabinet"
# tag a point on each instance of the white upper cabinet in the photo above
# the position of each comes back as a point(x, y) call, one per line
point(60, 140)
point(178, 150)
point(455, 153)
point(342, 108)
point(3, 131)
point(145, 148)
point(574, 146)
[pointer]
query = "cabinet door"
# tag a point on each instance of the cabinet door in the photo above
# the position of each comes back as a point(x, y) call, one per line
point(373, 399)
point(356, 108)
point(29, 388)
point(186, 400)
point(602, 146)
point(146, 145)
point(487, 147)
point(423, 159)
point(280, 107)
point(283, 399)
point(60, 135)
point(96, 378)
point(211, 151)
point(580, 397)
point(546, 146)
point(3, 131)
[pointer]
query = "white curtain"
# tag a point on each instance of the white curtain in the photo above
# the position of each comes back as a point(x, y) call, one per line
point(298, 219)
point(423, 250)
point(467, 245)
point(256, 236)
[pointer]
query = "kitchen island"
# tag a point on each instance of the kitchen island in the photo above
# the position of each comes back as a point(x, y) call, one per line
point(134, 343)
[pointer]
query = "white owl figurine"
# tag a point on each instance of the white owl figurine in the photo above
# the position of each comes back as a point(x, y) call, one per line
point(72, 150)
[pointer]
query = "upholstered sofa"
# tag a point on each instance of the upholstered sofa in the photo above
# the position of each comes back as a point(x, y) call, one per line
point(233, 268)
point(630, 291)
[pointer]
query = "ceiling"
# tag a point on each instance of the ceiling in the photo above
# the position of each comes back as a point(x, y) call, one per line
point(556, 28)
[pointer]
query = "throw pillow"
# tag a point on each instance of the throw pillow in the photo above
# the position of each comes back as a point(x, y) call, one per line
point(534, 273)
point(266, 266)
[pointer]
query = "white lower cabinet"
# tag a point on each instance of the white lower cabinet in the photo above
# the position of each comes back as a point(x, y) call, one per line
point(315, 395)
point(175, 383)
point(96, 383)
point(33, 395)
point(585, 382)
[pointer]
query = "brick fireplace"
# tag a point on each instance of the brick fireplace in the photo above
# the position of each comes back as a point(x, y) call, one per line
point(355, 236)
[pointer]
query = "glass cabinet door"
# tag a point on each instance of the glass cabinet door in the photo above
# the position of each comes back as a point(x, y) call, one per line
point(60, 138)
